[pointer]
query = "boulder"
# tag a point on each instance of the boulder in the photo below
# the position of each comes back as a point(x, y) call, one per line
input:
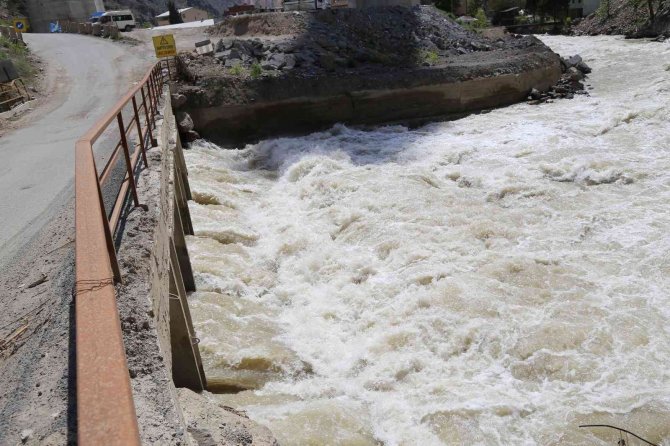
point(574, 74)
point(222, 55)
point(572, 61)
point(184, 122)
point(535, 94)
point(276, 61)
point(581, 66)
point(236, 53)
point(222, 45)
point(178, 100)
point(290, 62)
point(244, 47)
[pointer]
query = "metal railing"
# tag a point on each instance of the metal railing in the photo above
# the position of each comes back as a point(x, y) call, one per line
point(105, 407)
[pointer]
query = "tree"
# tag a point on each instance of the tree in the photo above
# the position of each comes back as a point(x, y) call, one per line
point(174, 17)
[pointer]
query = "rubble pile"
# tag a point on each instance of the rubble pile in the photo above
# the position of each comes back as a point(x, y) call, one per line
point(353, 39)
point(570, 84)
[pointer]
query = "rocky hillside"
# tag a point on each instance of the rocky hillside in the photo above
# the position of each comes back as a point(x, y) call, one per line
point(627, 18)
point(11, 8)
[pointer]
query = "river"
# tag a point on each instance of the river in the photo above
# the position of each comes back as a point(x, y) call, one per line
point(495, 280)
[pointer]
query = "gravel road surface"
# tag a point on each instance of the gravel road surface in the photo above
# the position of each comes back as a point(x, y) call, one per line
point(85, 77)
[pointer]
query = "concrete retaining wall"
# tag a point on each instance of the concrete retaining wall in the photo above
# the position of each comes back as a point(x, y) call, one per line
point(412, 104)
point(171, 274)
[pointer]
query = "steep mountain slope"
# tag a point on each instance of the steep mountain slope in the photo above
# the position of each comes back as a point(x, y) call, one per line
point(628, 18)
point(11, 8)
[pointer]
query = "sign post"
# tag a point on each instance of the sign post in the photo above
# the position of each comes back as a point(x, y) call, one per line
point(165, 46)
point(20, 25)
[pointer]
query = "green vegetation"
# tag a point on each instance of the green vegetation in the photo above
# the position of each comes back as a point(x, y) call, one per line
point(236, 70)
point(256, 70)
point(603, 10)
point(431, 57)
point(18, 54)
point(482, 20)
point(174, 17)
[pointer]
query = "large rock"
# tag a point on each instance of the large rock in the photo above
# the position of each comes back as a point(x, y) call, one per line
point(178, 100)
point(276, 61)
point(211, 424)
point(574, 74)
point(573, 60)
point(581, 66)
point(184, 122)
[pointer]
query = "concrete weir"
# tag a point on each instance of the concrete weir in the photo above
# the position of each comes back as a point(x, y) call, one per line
point(438, 93)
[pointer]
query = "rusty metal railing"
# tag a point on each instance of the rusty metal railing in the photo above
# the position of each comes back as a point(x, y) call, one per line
point(105, 407)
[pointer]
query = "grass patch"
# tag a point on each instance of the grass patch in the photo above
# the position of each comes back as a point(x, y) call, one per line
point(431, 57)
point(236, 70)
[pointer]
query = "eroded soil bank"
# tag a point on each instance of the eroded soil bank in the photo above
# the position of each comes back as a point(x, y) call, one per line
point(293, 73)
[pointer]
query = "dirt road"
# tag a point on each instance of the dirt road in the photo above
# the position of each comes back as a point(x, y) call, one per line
point(85, 77)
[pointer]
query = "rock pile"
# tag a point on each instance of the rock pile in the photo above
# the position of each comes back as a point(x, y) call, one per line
point(346, 39)
point(570, 84)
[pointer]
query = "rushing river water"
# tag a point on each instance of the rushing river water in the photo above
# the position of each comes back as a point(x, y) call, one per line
point(499, 279)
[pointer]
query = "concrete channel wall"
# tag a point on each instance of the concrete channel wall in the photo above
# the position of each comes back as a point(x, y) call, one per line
point(413, 104)
point(171, 274)
point(160, 344)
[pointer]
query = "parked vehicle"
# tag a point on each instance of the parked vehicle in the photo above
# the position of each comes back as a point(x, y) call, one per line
point(95, 17)
point(124, 19)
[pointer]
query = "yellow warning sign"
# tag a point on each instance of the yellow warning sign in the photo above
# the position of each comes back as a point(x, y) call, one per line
point(165, 46)
point(20, 25)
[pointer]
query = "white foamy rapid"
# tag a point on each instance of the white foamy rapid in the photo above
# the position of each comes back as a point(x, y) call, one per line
point(499, 279)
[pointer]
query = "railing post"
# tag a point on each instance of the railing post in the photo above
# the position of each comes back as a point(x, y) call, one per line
point(109, 238)
point(126, 152)
point(154, 101)
point(139, 132)
point(154, 143)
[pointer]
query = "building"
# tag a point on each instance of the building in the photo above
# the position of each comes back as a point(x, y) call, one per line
point(187, 15)
point(583, 8)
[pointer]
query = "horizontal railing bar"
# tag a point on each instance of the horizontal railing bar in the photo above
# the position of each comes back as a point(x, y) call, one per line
point(101, 125)
point(105, 407)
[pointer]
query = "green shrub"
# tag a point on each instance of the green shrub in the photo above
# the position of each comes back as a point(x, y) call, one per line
point(482, 20)
point(256, 70)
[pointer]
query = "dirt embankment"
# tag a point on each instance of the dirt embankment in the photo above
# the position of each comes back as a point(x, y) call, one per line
point(294, 72)
point(627, 18)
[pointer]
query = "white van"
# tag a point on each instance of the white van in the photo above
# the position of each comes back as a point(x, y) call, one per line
point(124, 19)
